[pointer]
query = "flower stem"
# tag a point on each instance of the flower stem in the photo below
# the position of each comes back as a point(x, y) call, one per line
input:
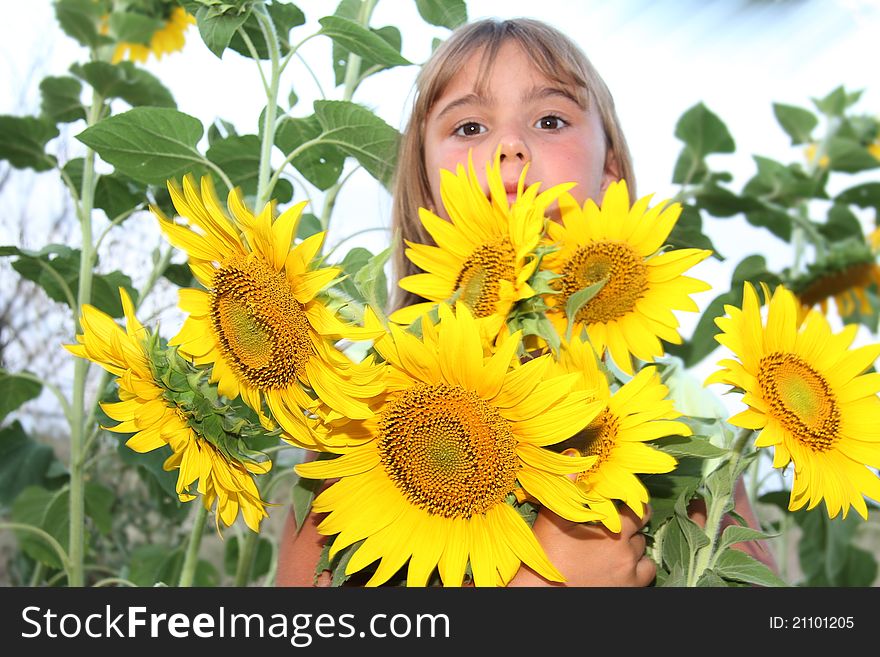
point(191, 559)
point(246, 554)
point(264, 188)
point(81, 366)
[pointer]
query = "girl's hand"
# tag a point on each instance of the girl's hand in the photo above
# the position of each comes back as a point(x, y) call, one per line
point(590, 555)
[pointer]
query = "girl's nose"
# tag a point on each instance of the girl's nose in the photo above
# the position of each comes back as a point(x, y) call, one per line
point(514, 148)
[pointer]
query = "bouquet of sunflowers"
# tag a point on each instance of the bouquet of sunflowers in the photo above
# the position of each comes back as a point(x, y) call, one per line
point(531, 375)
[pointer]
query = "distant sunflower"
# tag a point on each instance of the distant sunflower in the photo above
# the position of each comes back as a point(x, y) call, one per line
point(455, 435)
point(148, 410)
point(620, 245)
point(636, 413)
point(484, 253)
point(805, 391)
point(167, 39)
point(844, 275)
point(260, 323)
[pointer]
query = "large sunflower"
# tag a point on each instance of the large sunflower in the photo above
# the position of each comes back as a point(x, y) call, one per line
point(637, 412)
point(457, 434)
point(147, 408)
point(621, 245)
point(165, 40)
point(804, 390)
point(484, 253)
point(845, 275)
point(260, 323)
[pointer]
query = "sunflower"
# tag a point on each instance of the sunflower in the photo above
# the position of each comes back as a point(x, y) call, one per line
point(260, 323)
point(620, 244)
point(484, 254)
point(147, 408)
point(805, 390)
point(456, 435)
point(637, 412)
point(167, 39)
point(845, 275)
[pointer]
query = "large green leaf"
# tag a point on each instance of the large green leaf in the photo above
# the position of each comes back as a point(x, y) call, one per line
point(23, 142)
point(133, 27)
point(741, 567)
point(443, 13)
point(46, 510)
point(115, 194)
point(239, 157)
point(361, 134)
point(149, 144)
point(797, 122)
point(356, 38)
point(320, 164)
point(15, 390)
point(688, 232)
point(23, 461)
point(285, 17)
point(125, 81)
point(80, 19)
point(219, 22)
point(703, 132)
point(262, 558)
point(61, 99)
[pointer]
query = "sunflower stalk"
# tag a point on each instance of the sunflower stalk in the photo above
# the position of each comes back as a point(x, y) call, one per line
point(264, 188)
point(246, 555)
point(191, 559)
point(78, 427)
point(716, 507)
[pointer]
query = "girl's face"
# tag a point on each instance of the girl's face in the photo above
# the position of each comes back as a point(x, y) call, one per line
point(534, 119)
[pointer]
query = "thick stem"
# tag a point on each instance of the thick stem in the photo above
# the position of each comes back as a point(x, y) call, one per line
point(81, 366)
point(191, 559)
point(264, 188)
point(247, 553)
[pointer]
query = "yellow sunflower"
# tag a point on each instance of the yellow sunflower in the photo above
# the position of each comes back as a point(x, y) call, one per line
point(456, 435)
point(167, 39)
point(146, 409)
point(484, 253)
point(621, 245)
point(260, 322)
point(845, 275)
point(805, 391)
point(637, 412)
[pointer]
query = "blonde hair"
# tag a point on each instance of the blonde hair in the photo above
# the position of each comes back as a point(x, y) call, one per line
point(555, 55)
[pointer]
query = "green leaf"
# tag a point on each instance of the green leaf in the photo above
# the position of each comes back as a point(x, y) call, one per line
point(666, 489)
point(149, 144)
point(797, 122)
point(694, 534)
point(153, 564)
point(61, 99)
point(23, 142)
point(262, 558)
point(320, 164)
point(49, 511)
point(710, 579)
point(738, 534)
point(866, 195)
point(835, 103)
point(134, 27)
point(361, 134)
point(99, 504)
point(180, 275)
point(841, 224)
point(825, 544)
point(105, 292)
point(578, 300)
point(284, 16)
point(80, 19)
point(309, 225)
point(218, 23)
point(721, 202)
point(23, 461)
point(15, 390)
point(704, 132)
point(688, 232)
point(125, 81)
point(675, 550)
point(693, 446)
point(741, 567)
point(778, 223)
point(443, 13)
point(115, 194)
point(363, 42)
point(849, 156)
point(303, 494)
point(239, 158)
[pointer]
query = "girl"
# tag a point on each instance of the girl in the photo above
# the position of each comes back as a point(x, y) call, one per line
point(521, 86)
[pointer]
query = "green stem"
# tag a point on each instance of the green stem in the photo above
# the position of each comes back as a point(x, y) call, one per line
point(247, 553)
point(37, 575)
point(715, 512)
point(114, 580)
point(81, 366)
point(191, 559)
point(63, 556)
point(264, 188)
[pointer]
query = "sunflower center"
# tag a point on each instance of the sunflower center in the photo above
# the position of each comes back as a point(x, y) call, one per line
point(623, 270)
point(261, 328)
point(447, 450)
point(598, 439)
point(479, 280)
point(801, 399)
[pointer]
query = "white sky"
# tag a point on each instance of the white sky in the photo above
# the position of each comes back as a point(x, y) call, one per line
point(658, 58)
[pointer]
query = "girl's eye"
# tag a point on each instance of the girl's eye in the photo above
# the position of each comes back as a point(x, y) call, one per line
point(550, 123)
point(470, 129)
